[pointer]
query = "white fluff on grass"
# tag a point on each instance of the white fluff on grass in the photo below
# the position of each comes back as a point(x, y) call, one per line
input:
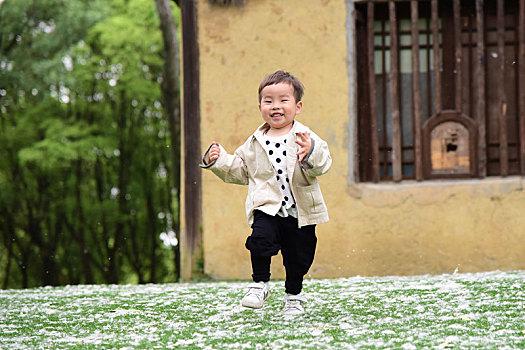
point(483, 310)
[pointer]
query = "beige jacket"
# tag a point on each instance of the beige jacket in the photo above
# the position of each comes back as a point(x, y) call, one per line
point(250, 165)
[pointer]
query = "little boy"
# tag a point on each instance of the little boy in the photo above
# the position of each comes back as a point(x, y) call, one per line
point(280, 163)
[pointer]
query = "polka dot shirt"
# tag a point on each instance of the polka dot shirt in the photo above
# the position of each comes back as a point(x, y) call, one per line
point(275, 147)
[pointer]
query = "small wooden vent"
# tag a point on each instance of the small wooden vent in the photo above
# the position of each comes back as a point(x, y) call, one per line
point(449, 141)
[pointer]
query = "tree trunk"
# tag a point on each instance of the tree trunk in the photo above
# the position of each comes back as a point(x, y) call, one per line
point(5, 282)
point(83, 248)
point(152, 234)
point(103, 249)
point(9, 238)
point(53, 223)
point(115, 251)
point(133, 252)
point(171, 97)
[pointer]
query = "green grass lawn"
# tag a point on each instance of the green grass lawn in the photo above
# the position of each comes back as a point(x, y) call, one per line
point(460, 311)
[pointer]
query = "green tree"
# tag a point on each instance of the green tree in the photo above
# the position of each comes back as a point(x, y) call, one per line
point(84, 145)
point(171, 99)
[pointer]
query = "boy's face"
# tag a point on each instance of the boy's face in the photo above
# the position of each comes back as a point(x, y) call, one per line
point(278, 107)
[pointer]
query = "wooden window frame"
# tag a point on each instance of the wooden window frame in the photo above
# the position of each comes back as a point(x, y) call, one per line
point(452, 72)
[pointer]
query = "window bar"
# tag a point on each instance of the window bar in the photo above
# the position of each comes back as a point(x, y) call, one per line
point(384, 133)
point(435, 48)
point(502, 103)
point(394, 95)
point(470, 68)
point(429, 74)
point(480, 77)
point(459, 54)
point(521, 67)
point(372, 92)
point(416, 90)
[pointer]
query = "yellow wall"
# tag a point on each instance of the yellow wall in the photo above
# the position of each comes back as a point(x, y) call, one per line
point(408, 228)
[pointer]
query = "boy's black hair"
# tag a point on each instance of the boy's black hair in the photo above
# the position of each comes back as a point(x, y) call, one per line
point(283, 77)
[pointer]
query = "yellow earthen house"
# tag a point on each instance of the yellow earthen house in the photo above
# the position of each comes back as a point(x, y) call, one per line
point(428, 168)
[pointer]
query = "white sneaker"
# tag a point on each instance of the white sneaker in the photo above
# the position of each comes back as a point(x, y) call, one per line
point(293, 304)
point(257, 294)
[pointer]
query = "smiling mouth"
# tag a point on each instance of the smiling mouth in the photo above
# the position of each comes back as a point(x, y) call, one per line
point(277, 115)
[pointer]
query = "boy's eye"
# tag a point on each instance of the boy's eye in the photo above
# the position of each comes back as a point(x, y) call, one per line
point(284, 100)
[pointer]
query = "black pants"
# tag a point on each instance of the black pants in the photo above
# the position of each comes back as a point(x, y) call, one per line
point(297, 245)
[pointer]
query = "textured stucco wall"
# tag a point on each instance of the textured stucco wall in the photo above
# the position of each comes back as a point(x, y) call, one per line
point(408, 228)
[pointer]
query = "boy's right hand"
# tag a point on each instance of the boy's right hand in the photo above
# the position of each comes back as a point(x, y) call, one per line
point(213, 153)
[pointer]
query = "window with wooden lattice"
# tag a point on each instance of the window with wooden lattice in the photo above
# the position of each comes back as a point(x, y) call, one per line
point(441, 89)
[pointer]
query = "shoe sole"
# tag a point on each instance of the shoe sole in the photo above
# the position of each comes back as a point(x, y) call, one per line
point(288, 314)
point(255, 306)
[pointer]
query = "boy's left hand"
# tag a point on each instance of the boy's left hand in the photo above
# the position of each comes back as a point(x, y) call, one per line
point(306, 143)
